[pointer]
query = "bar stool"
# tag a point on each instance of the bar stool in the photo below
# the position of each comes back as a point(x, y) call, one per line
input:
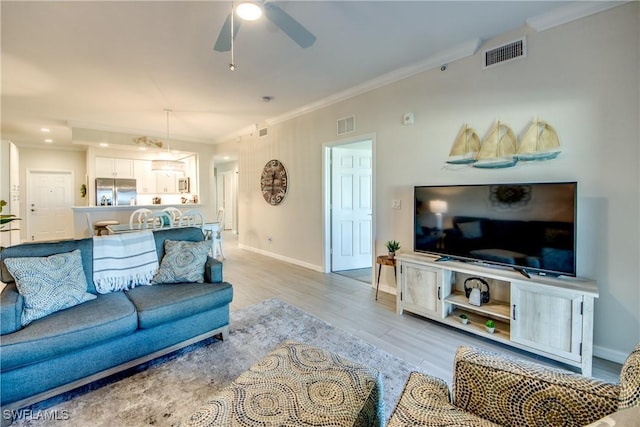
point(97, 228)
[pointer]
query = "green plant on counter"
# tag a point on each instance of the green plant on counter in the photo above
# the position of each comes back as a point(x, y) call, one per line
point(490, 324)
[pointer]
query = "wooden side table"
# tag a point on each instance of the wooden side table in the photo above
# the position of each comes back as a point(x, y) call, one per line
point(385, 260)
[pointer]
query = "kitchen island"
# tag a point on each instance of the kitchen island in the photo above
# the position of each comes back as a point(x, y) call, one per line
point(119, 213)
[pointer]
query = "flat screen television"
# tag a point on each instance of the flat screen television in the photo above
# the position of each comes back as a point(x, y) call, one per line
point(530, 227)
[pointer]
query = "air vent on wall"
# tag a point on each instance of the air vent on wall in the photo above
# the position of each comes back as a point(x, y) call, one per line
point(346, 125)
point(262, 132)
point(508, 52)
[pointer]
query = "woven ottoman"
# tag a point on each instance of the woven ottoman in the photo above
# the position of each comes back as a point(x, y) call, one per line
point(297, 385)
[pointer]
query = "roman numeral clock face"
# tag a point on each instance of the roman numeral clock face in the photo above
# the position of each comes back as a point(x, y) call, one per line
point(274, 182)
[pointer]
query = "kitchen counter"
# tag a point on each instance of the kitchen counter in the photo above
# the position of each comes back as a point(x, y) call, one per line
point(112, 208)
point(119, 213)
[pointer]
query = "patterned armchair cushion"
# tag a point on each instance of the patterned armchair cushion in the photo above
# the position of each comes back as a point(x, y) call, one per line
point(630, 380)
point(514, 392)
point(425, 402)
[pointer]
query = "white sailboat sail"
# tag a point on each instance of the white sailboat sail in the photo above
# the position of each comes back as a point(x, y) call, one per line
point(465, 148)
point(498, 149)
point(540, 142)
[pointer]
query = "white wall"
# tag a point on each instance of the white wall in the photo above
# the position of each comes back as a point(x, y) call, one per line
point(582, 77)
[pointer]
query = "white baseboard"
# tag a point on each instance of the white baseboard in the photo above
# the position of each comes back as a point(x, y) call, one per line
point(385, 288)
point(608, 354)
point(282, 258)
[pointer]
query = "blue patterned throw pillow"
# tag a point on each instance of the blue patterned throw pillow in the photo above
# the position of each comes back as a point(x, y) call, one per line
point(182, 262)
point(49, 284)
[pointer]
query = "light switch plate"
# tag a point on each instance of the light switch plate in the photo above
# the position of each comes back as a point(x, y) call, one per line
point(407, 119)
point(395, 204)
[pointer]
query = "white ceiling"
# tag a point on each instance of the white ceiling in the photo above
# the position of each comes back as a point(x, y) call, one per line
point(116, 65)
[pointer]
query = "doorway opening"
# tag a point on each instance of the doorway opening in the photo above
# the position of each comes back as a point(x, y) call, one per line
point(349, 207)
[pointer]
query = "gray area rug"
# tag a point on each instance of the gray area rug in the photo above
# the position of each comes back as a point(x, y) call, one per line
point(167, 390)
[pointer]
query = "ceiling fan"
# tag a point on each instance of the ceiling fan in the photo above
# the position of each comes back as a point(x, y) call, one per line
point(275, 14)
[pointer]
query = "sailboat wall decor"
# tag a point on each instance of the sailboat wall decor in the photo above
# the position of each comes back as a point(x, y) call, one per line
point(540, 142)
point(465, 148)
point(498, 150)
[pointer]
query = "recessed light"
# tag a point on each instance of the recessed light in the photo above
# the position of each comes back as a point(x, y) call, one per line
point(103, 144)
point(48, 140)
point(45, 130)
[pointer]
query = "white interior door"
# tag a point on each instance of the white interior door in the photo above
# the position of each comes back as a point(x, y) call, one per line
point(49, 201)
point(351, 208)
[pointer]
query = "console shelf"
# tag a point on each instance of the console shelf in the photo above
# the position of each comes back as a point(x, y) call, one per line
point(494, 309)
point(549, 316)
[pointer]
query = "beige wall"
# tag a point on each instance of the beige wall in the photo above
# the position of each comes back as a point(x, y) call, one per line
point(582, 77)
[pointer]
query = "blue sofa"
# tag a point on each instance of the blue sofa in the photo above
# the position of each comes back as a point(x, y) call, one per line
point(105, 335)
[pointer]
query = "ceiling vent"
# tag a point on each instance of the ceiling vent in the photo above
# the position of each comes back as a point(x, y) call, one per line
point(346, 125)
point(508, 52)
point(262, 132)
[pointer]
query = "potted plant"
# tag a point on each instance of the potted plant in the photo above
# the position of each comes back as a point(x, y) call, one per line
point(5, 219)
point(392, 247)
point(490, 325)
point(464, 319)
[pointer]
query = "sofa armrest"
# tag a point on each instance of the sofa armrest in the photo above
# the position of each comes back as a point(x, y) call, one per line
point(11, 303)
point(509, 391)
point(213, 270)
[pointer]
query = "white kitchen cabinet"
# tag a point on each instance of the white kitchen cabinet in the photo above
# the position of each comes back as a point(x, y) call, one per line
point(167, 183)
point(145, 177)
point(109, 167)
point(549, 316)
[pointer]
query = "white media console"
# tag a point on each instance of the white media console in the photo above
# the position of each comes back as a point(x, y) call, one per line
point(549, 316)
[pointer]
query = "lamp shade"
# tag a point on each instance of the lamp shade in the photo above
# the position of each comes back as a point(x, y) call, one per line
point(167, 165)
point(438, 206)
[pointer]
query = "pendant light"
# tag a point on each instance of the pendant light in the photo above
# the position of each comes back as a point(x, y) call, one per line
point(167, 165)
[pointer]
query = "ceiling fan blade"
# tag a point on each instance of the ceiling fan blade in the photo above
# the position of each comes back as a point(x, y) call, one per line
point(290, 26)
point(223, 44)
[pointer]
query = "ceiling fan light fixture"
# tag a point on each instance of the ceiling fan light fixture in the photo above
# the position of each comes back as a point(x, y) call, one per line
point(249, 11)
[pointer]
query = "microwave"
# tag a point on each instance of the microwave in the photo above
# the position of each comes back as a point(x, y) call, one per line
point(184, 185)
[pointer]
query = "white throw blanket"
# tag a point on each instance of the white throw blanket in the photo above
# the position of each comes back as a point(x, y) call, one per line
point(123, 261)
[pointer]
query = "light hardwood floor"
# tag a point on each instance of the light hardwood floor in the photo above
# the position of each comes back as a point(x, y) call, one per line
point(350, 305)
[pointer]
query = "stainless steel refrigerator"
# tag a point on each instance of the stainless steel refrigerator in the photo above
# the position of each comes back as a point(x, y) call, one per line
point(115, 191)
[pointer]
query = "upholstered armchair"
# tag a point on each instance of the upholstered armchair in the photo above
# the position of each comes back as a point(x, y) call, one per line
point(491, 389)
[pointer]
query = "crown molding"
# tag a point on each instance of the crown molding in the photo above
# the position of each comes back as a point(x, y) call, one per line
point(570, 12)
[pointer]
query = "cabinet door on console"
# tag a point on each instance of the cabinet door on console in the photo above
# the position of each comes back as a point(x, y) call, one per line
point(547, 319)
point(421, 289)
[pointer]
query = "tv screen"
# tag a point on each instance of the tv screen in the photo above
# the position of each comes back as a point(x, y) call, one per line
point(528, 226)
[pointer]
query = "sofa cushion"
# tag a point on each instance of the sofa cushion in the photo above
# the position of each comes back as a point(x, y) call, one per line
point(39, 249)
point(630, 380)
point(182, 262)
point(49, 284)
point(189, 234)
point(425, 402)
point(104, 318)
point(164, 303)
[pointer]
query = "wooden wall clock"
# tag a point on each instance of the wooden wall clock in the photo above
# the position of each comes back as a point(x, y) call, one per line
point(274, 182)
